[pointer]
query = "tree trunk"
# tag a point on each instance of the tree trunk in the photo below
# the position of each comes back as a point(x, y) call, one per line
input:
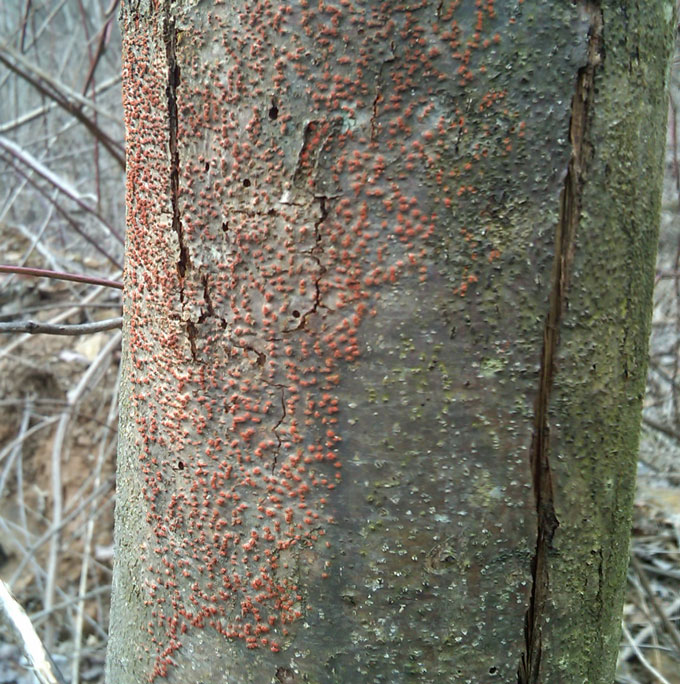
point(388, 287)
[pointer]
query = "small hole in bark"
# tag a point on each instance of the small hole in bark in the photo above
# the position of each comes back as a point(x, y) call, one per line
point(273, 112)
point(246, 182)
point(206, 168)
point(180, 465)
point(296, 314)
point(285, 676)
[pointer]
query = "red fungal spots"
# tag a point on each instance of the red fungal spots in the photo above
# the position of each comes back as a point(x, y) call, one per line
point(248, 278)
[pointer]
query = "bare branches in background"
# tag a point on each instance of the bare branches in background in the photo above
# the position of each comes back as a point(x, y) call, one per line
point(71, 102)
point(61, 218)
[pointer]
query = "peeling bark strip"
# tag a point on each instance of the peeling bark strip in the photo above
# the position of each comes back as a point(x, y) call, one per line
point(569, 217)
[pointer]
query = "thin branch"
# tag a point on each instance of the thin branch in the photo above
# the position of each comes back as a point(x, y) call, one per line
point(661, 428)
point(40, 615)
point(643, 661)
point(17, 454)
point(44, 669)
point(58, 446)
point(17, 441)
point(87, 546)
point(24, 24)
point(658, 609)
point(35, 240)
point(9, 529)
point(60, 275)
point(65, 214)
point(64, 315)
point(104, 35)
point(55, 306)
point(26, 158)
point(35, 327)
point(8, 126)
point(59, 88)
point(73, 109)
point(626, 652)
point(56, 529)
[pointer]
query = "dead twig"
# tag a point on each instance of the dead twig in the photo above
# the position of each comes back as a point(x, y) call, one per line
point(59, 275)
point(658, 609)
point(64, 186)
point(36, 327)
point(62, 212)
point(58, 446)
point(641, 658)
point(44, 669)
point(64, 97)
point(661, 427)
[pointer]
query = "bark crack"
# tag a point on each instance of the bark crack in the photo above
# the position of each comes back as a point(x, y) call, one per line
point(378, 93)
point(209, 309)
point(299, 175)
point(192, 334)
point(261, 356)
point(313, 253)
point(323, 208)
point(275, 429)
point(170, 38)
point(530, 671)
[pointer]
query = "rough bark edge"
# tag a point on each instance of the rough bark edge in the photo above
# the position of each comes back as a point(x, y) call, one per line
point(173, 83)
point(569, 217)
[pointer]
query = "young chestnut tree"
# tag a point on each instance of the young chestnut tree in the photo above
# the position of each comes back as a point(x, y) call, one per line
point(387, 300)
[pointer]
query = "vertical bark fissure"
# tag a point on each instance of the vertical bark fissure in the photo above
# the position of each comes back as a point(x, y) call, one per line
point(378, 92)
point(315, 255)
point(570, 211)
point(170, 38)
point(275, 429)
